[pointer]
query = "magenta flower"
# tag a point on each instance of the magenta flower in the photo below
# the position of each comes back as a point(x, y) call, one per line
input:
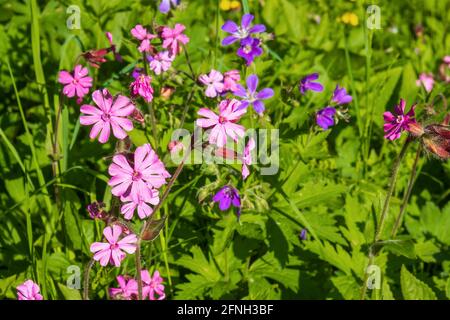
point(307, 84)
point(152, 285)
point(141, 86)
point(161, 62)
point(113, 251)
point(143, 209)
point(128, 289)
point(140, 33)
point(147, 172)
point(340, 96)
point(223, 124)
point(226, 197)
point(29, 291)
point(325, 117)
point(427, 80)
point(111, 112)
point(164, 6)
point(173, 37)
point(247, 158)
point(396, 123)
point(250, 48)
point(230, 80)
point(251, 96)
point(117, 56)
point(77, 84)
point(241, 32)
point(214, 83)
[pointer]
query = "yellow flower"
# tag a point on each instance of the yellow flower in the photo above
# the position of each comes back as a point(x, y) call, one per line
point(226, 5)
point(350, 18)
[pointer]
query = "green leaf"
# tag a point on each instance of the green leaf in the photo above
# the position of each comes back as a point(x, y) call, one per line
point(400, 247)
point(413, 288)
point(69, 294)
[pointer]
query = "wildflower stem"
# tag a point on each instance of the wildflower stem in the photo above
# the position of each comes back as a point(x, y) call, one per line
point(150, 108)
point(392, 183)
point(188, 61)
point(137, 256)
point(147, 222)
point(408, 193)
point(380, 227)
point(86, 279)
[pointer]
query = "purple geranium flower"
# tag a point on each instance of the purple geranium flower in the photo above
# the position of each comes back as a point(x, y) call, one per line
point(340, 96)
point(250, 48)
point(303, 234)
point(241, 32)
point(226, 197)
point(325, 117)
point(396, 123)
point(164, 6)
point(250, 96)
point(307, 84)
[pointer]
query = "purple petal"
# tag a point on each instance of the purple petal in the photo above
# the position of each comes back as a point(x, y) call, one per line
point(224, 204)
point(240, 91)
point(246, 20)
point(258, 105)
point(164, 7)
point(230, 27)
point(229, 40)
point(257, 28)
point(252, 83)
point(315, 86)
point(244, 104)
point(265, 93)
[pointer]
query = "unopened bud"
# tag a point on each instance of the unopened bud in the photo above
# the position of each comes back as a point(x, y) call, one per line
point(166, 92)
point(138, 116)
point(96, 211)
point(416, 129)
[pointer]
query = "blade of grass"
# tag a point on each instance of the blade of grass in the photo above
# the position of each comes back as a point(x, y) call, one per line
point(39, 173)
point(245, 6)
point(14, 152)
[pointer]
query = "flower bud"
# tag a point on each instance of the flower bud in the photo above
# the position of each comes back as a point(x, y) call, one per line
point(96, 211)
point(437, 140)
point(166, 92)
point(416, 129)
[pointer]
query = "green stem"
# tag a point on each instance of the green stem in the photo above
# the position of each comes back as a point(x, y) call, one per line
point(384, 212)
point(411, 182)
point(86, 279)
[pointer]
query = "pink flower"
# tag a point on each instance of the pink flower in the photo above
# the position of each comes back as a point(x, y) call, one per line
point(78, 84)
point(214, 83)
point(426, 80)
point(172, 38)
point(140, 33)
point(396, 123)
point(247, 158)
point(446, 60)
point(143, 209)
point(230, 80)
point(141, 86)
point(29, 291)
point(147, 172)
point(111, 251)
point(223, 124)
point(128, 289)
point(152, 285)
point(160, 62)
point(111, 112)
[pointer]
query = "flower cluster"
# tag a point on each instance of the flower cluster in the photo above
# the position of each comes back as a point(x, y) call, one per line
point(136, 179)
point(152, 288)
point(219, 84)
point(158, 61)
point(250, 46)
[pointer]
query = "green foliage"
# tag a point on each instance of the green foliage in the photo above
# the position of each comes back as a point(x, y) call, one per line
point(331, 183)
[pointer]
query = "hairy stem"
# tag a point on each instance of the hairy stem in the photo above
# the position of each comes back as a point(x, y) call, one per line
point(384, 212)
point(86, 279)
point(138, 268)
point(407, 195)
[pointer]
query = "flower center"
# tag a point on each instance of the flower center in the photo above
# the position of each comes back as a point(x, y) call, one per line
point(106, 117)
point(136, 176)
point(222, 119)
point(247, 49)
point(241, 33)
point(400, 119)
point(114, 246)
